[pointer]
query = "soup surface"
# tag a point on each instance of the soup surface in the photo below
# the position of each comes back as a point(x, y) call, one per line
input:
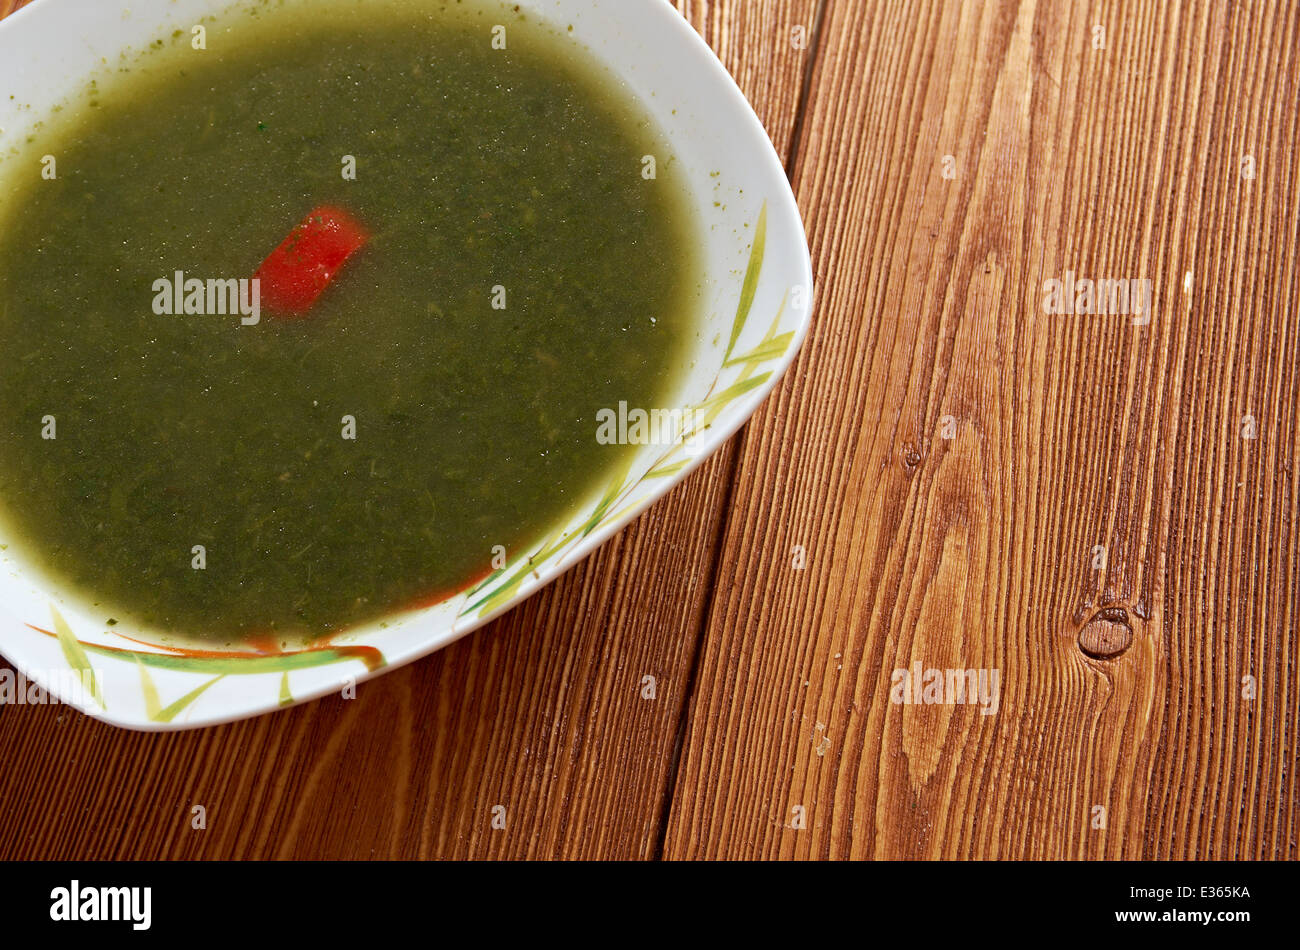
point(207, 477)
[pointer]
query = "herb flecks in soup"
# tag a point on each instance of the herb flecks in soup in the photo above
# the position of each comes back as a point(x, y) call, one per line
point(404, 417)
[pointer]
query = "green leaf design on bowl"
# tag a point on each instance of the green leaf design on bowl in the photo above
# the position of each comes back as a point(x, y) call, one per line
point(498, 588)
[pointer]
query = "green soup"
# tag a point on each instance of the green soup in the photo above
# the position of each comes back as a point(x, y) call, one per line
point(436, 406)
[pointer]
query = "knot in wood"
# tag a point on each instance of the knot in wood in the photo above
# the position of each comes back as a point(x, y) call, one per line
point(1106, 635)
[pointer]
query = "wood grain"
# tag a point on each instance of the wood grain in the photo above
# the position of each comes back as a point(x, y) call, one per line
point(1069, 431)
point(1121, 685)
point(541, 712)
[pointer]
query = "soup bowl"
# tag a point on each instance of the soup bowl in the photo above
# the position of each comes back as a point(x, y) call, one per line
point(755, 312)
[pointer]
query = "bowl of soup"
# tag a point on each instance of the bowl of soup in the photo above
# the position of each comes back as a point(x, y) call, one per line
point(331, 330)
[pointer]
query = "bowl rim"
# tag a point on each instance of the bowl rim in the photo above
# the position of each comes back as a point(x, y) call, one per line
point(789, 244)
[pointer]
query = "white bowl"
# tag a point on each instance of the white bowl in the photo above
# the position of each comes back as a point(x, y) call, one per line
point(757, 306)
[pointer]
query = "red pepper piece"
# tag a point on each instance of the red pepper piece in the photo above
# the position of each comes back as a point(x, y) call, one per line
point(298, 271)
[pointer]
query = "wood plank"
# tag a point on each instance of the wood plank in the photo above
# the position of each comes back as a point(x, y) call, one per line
point(540, 712)
point(1070, 431)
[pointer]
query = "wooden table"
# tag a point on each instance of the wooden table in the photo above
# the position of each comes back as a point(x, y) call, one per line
point(968, 481)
